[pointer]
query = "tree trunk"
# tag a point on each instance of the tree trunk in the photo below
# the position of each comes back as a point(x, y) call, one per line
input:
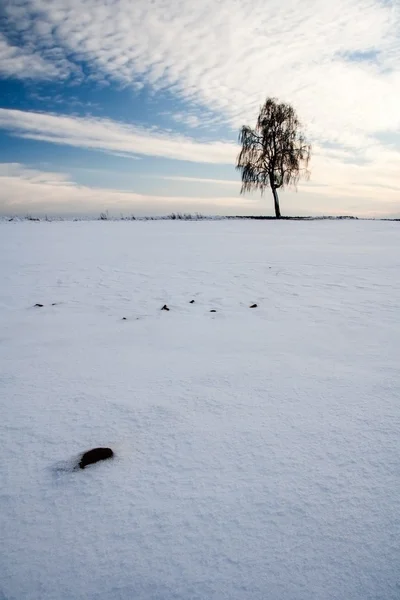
point(276, 202)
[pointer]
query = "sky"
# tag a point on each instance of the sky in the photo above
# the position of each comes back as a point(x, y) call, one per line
point(134, 107)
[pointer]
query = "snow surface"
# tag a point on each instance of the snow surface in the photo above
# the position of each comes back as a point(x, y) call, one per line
point(257, 450)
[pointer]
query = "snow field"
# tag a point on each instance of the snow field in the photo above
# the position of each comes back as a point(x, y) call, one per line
point(257, 450)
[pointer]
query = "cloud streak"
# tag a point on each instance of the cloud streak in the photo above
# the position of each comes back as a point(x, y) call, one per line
point(113, 136)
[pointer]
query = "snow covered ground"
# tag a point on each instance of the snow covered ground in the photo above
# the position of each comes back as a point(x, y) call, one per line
point(257, 450)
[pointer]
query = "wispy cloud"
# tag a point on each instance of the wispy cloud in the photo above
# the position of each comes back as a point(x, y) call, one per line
point(201, 180)
point(58, 100)
point(113, 136)
point(196, 118)
point(35, 176)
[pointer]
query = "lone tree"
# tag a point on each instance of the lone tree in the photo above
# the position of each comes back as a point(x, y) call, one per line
point(275, 154)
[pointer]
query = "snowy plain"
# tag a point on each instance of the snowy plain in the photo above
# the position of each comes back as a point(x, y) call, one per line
point(257, 450)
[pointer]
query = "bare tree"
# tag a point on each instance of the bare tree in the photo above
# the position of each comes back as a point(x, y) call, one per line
point(275, 154)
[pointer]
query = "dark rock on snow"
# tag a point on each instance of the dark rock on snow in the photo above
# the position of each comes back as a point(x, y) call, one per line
point(213, 310)
point(38, 305)
point(191, 302)
point(93, 456)
point(253, 306)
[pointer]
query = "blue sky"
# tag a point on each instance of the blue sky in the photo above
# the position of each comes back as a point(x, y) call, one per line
point(135, 107)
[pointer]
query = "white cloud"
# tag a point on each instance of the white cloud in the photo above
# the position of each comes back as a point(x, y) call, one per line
point(25, 63)
point(113, 136)
point(229, 56)
point(17, 62)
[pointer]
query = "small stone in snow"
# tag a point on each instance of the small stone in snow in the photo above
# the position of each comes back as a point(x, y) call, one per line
point(93, 456)
point(253, 306)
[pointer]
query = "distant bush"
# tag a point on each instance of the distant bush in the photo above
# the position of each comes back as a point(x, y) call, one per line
point(185, 217)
